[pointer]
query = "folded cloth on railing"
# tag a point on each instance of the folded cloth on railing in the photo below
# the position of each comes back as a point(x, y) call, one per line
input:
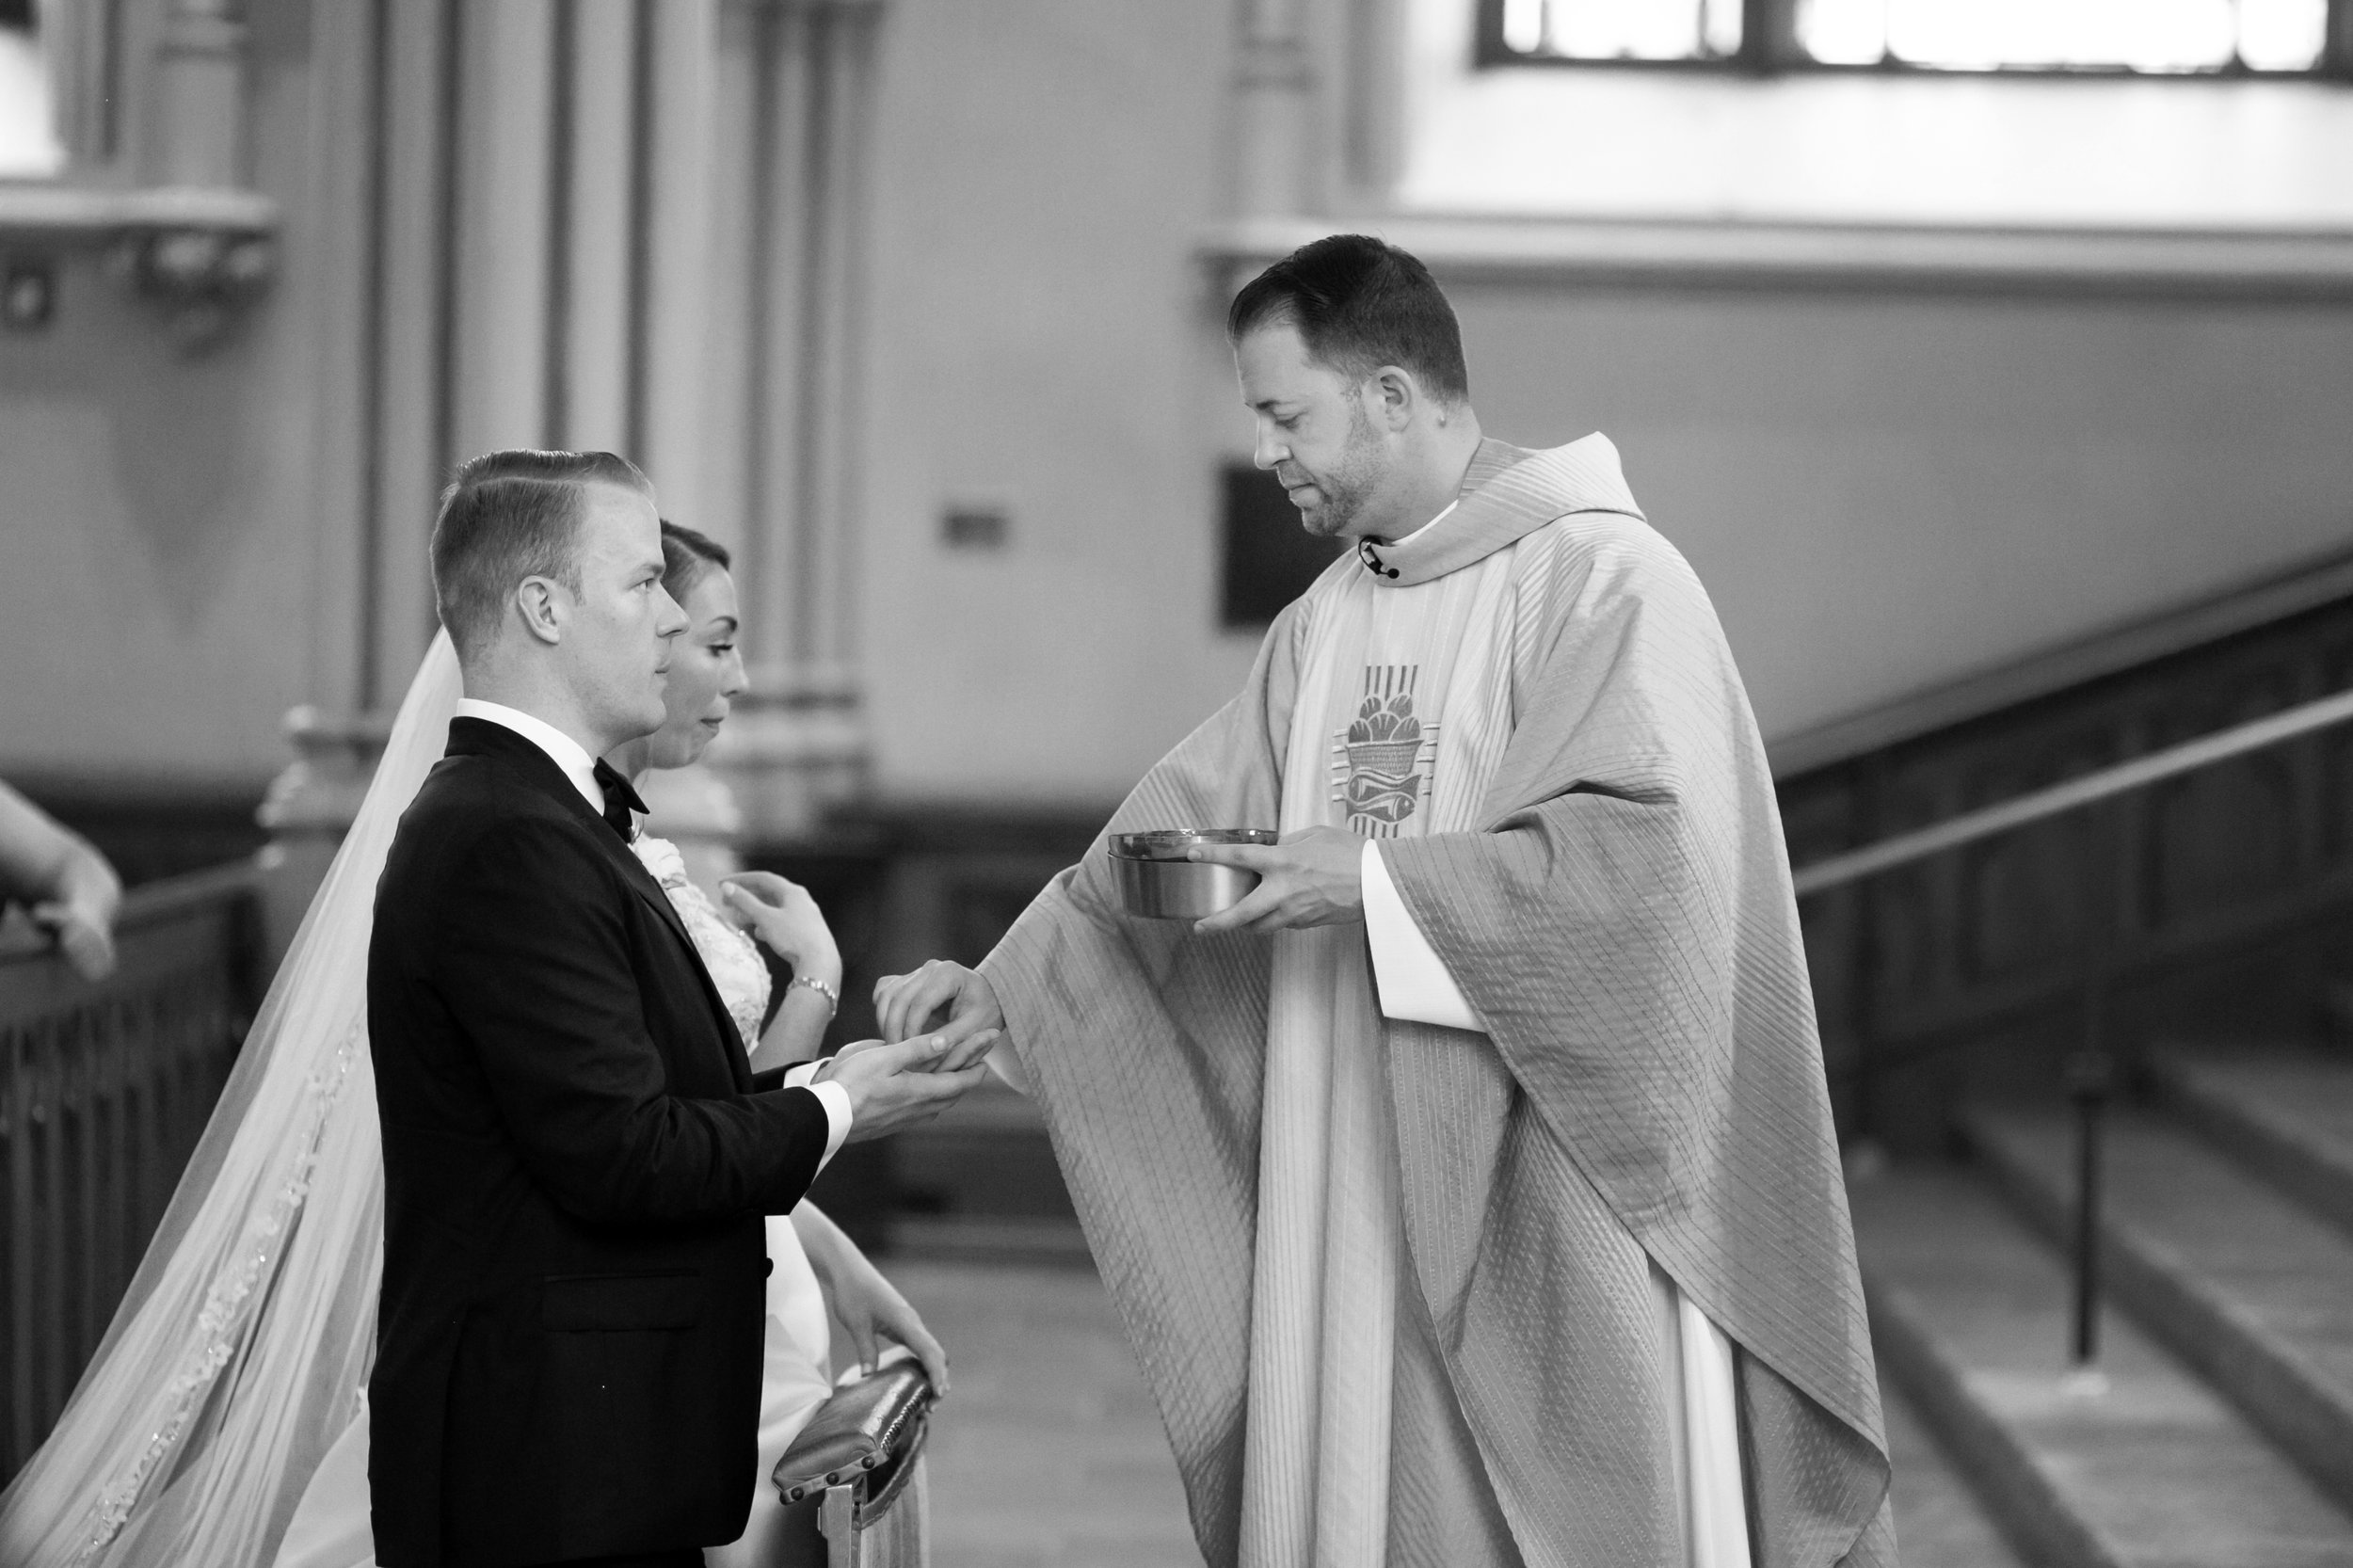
point(868, 1433)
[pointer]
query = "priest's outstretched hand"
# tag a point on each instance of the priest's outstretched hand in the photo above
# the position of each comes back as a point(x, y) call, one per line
point(906, 1004)
point(1310, 877)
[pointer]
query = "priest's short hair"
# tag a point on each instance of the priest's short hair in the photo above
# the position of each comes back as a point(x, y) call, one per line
point(508, 516)
point(1359, 303)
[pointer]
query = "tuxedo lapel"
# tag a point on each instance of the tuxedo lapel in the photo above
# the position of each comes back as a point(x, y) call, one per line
point(641, 882)
point(473, 737)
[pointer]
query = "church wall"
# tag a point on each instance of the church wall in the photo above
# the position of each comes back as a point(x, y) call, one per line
point(157, 541)
point(1042, 337)
point(1884, 490)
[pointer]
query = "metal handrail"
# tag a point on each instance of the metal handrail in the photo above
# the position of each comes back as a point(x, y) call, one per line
point(1904, 848)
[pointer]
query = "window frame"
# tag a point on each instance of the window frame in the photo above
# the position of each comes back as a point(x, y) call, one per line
point(1768, 47)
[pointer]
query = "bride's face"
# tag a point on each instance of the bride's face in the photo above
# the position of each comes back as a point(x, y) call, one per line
point(706, 673)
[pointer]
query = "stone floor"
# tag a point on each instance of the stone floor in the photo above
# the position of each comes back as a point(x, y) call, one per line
point(1049, 1454)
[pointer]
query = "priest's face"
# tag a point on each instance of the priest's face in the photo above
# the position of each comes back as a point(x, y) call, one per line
point(1314, 430)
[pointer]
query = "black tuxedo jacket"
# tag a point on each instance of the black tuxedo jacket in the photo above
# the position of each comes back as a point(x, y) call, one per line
point(576, 1160)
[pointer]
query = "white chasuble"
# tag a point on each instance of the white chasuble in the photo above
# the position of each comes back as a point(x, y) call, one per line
point(1403, 709)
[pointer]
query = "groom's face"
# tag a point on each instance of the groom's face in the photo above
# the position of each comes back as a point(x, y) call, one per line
point(619, 642)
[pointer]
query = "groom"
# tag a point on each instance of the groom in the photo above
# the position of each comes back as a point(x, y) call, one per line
point(576, 1159)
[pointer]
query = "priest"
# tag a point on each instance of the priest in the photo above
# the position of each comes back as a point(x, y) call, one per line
point(1468, 1191)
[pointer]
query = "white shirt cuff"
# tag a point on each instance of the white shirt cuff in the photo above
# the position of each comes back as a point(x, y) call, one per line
point(835, 1098)
point(1413, 980)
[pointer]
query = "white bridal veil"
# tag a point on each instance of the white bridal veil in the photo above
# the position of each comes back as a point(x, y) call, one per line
point(239, 1351)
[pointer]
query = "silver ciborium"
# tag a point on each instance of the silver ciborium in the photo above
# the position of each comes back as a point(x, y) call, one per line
point(1157, 882)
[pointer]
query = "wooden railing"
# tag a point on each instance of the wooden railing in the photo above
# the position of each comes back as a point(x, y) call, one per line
point(2116, 949)
point(1906, 849)
point(2022, 941)
point(104, 1091)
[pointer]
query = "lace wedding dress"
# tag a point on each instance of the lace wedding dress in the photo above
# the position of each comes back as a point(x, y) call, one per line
point(222, 1423)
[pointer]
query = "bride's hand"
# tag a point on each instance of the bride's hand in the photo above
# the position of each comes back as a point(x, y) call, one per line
point(781, 914)
point(871, 1310)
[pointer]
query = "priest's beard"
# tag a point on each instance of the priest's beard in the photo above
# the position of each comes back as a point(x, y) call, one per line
point(1354, 477)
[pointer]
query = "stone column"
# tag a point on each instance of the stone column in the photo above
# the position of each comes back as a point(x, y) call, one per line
point(798, 99)
point(430, 179)
point(199, 132)
point(633, 224)
point(1274, 112)
point(309, 808)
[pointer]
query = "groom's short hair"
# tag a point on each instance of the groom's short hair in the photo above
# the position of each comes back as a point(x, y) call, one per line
point(508, 516)
point(1359, 303)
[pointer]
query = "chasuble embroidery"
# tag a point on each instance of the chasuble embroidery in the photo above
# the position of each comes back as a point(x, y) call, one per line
point(1382, 760)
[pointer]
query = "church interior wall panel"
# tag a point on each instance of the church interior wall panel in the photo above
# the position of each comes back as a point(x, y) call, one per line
point(1044, 342)
point(2023, 901)
point(509, 202)
point(1888, 491)
point(159, 525)
point(154, 617)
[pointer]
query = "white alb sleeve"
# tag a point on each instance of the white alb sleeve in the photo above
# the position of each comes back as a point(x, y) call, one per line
point(835, 1098)
point(1413, 980)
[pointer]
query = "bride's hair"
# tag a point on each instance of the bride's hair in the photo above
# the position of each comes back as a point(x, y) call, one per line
point(508, 516)
point(686, 555)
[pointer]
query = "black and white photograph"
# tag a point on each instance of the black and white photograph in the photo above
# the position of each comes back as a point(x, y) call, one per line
point(1175, 783)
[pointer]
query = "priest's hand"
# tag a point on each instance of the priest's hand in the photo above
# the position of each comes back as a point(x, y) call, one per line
point(906, 1003)
point(1311, 877)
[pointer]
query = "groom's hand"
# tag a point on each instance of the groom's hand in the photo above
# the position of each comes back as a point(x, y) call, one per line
point(894, 1086)
point(904, 1003)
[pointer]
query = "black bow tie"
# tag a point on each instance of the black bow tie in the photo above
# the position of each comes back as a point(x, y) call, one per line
point(619, 800)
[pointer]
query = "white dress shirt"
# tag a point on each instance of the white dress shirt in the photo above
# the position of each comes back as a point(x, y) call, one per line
point(835, 1098)
point(581, 768)
point(561, 748)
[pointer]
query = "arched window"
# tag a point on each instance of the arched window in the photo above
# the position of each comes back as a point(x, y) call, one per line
point(2109, 37)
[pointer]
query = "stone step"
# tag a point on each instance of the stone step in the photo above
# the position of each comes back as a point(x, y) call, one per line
point(2147, 1467)
point(2246, 1285)
point(1939, 1522)
point(2286, 1115)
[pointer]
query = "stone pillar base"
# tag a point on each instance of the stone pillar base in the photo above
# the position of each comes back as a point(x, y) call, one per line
point(307, 810)
point(794, 750)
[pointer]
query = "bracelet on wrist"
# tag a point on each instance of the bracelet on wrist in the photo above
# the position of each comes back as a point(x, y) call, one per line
point(826, 989)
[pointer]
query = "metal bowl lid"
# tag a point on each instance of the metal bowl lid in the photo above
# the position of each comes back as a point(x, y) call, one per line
point(1169, 843)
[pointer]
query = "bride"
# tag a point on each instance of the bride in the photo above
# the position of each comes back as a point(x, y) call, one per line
point(222, 1420)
